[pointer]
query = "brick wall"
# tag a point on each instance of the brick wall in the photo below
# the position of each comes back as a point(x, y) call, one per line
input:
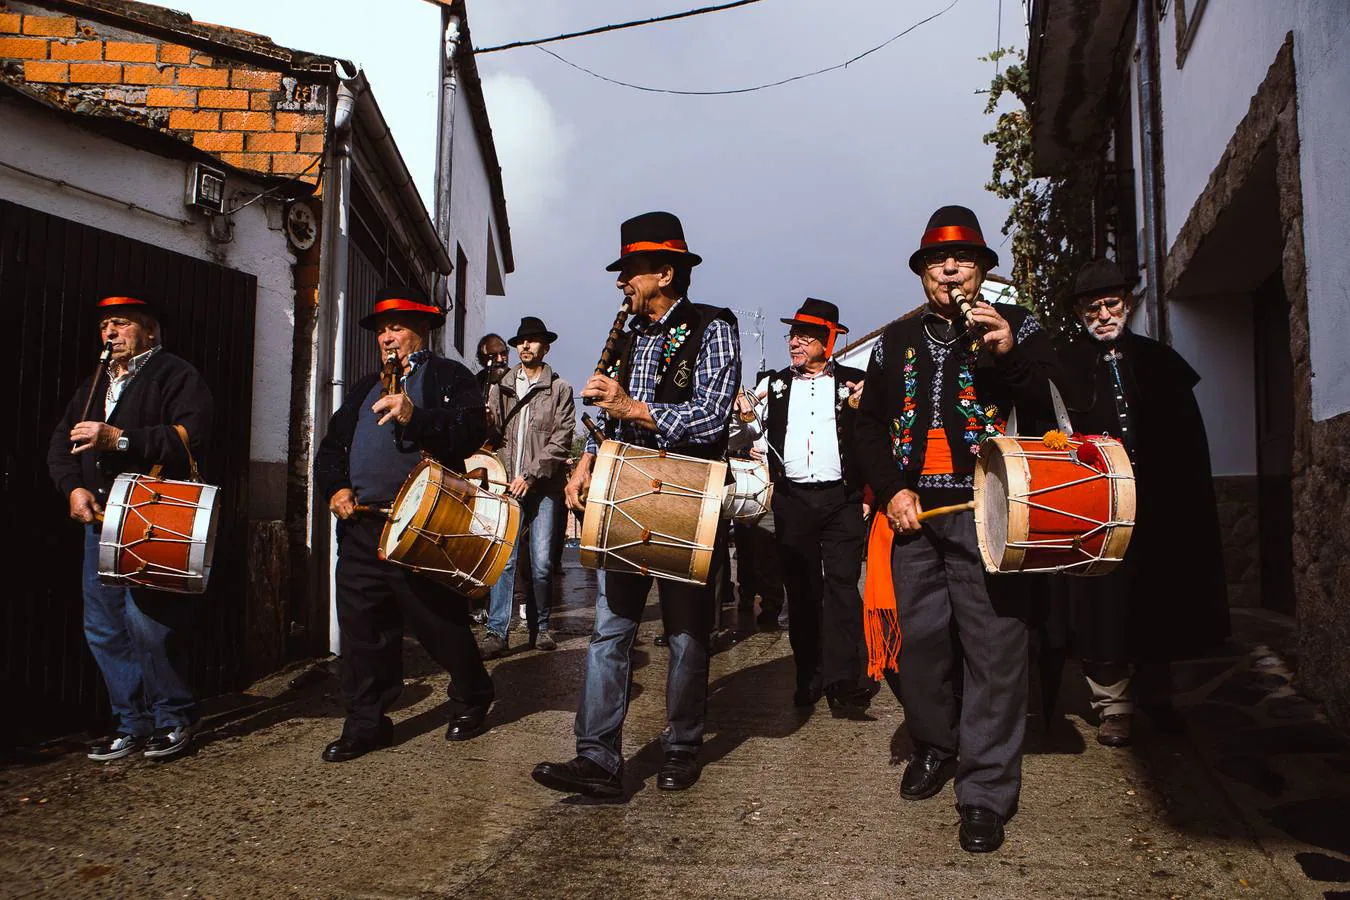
point(263, 120)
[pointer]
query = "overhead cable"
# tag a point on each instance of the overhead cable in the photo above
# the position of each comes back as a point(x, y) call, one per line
point(603, 28)
point(758, 87)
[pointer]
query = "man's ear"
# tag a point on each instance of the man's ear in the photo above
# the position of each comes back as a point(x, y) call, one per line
point(667, 276)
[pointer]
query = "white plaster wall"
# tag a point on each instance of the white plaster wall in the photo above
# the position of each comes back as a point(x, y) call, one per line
point(1214, 335)
point(1203, 102)
point(42, 143)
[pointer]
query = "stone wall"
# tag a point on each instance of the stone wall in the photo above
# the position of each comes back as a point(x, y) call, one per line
point(1239, 526)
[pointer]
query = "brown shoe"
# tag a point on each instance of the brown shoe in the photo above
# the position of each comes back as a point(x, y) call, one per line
point(1114, 731)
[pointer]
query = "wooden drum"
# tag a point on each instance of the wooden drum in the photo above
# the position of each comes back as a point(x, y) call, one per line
point(450, 529)
point(1040, 509)
point(158, 534)
point(650, 512)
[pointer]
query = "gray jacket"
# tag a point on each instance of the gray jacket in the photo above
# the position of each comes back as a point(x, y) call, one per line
point(548, 434)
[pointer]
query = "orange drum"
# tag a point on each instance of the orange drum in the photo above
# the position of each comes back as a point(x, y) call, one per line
point(652, 513)
point(450, 529)
point(158, 534)
point(1038, 509)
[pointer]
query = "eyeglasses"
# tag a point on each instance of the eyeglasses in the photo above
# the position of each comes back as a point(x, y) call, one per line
point(794, 337)
point(1112, 304)
point(937, 259)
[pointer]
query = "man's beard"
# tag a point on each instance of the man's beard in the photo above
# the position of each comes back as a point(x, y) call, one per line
point(1111, 336)
point(495, 372)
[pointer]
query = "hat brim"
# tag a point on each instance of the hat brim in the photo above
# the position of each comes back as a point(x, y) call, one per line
point(1091, 289)
point(143, 308)
point(838, 329)
point(916, 259)
point(548, 336)
point(368, 322)
point(692, 259)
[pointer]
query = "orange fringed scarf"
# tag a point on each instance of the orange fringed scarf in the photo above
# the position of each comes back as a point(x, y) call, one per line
point(881, 625)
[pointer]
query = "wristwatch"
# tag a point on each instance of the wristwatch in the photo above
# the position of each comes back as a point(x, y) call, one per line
point(123, 444)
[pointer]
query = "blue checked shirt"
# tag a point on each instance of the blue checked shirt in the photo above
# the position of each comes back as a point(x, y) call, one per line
point(702, 419)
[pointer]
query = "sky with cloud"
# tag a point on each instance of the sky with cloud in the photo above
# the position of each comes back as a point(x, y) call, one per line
point(816, 188)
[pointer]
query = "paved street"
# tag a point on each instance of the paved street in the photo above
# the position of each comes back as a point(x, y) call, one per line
point(1249, 802)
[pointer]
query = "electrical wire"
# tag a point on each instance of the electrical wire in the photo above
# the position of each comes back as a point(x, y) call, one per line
point(603, 28)
point(758, 87)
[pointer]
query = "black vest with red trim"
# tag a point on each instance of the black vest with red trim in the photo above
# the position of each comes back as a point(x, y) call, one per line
point(777, 421)
point(676, 378)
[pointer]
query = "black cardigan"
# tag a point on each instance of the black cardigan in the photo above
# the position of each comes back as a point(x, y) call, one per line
point(448, 422)
point(844, 416)
point(167, 391)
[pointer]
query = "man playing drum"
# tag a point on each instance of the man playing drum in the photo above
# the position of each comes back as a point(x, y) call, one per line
point(939, 384)
point(127, 425)
point(672, 388)
point(817, 506)
point(1167, 600)
point(372, 444)
point(531, 419)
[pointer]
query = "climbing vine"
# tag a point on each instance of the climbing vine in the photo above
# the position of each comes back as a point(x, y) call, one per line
point(1050, 218)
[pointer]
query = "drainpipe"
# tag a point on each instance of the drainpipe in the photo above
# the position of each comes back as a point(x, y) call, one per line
point(1154, 306)
point(445, 132)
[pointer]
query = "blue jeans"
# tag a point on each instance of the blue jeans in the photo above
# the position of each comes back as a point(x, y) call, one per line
point(135, 637)
point(536, 515)
point(687, 613)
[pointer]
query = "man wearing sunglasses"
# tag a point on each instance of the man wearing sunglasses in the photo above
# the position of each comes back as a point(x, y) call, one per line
point(1168, 599)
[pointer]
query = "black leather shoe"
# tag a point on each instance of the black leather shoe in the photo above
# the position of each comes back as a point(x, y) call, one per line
point(805, 696)
point(850, 700)
point(679, 772)
point(926, 774)
point(348, 748)
point(981, 829)
point(580, 776)
point(466, 725)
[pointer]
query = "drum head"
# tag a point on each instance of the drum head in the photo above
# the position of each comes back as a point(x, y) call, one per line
point(992, 489)
point(406, 509)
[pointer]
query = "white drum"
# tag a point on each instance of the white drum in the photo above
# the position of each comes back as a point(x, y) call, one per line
point(752, 495)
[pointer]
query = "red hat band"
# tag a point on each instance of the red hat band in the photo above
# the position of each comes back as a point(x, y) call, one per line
point(121, 301)
point(947, 234)
point(643, 246)
point(394, 304)
point(832, 327)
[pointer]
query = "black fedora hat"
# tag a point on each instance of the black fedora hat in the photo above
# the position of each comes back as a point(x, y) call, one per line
point(129, 299)
point(1099, 277)
point(532, 326)
point(819, 314)
point(952, 228)
point(405, 300)
point(653, 232)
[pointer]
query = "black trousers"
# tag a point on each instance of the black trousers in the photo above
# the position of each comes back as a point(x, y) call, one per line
point(375, 601)
point(820, 547)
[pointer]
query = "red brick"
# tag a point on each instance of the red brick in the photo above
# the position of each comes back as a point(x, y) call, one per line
point(10, 23)
point(224, 99)
point(95, 73)
point(126, 51)
point(174, 53)
point(272, 142)
point(246, 121)
point(257, 162)
point(298, 122)
point(204, 77)
point(311, 143)
point(23, 48)
point(291, 163)
point(49, 26)
point(201, 59)
point(216, 141)
point(180, 97)
point(76, 50)
point(255, 80)
point(46, 71)
point(146, 75)
point(260, 101)
point(188, 120)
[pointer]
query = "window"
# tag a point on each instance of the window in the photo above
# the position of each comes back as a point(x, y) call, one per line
point(461, 296)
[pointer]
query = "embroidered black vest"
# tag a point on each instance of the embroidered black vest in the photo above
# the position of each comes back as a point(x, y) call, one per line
point(777, 416)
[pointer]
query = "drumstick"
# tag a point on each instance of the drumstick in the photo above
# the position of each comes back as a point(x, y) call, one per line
point(607, 354)
point(373, 510)
point(945, 510)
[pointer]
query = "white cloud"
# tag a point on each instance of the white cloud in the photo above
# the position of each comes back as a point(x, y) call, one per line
point(532, 144)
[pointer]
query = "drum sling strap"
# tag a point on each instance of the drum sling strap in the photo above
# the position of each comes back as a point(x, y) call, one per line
point(193, 474)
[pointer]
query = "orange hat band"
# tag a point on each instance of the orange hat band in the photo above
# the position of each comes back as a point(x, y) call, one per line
point(642, 246)
point(834, 328)
point(394, 304)
point(121, 301)
point(946, 234)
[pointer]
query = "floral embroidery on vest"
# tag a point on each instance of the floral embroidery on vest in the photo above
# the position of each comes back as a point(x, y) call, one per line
point(675, 338)
point(982, 422)
point(902, 437)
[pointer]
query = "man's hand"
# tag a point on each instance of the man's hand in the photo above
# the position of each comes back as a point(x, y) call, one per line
point(610, 396)
point(343, 503)
point(83, 507)
point(397, 407)
point(855, 392)
point(756, 454)
point(518, 487)
point(94, 436)
point(579, 484)
point(903, 512)
point(491, 415)
point(997, 337)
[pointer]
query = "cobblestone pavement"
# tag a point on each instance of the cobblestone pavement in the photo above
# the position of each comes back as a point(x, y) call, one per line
point(1251, 801)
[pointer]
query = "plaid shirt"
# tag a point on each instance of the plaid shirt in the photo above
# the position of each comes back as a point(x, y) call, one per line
point(700, 420)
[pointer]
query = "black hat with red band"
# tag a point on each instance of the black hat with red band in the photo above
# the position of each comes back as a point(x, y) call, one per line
point(953, 228)
point(123, 300)
point(405, 301)
point(819, 314)
point(653, 232)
